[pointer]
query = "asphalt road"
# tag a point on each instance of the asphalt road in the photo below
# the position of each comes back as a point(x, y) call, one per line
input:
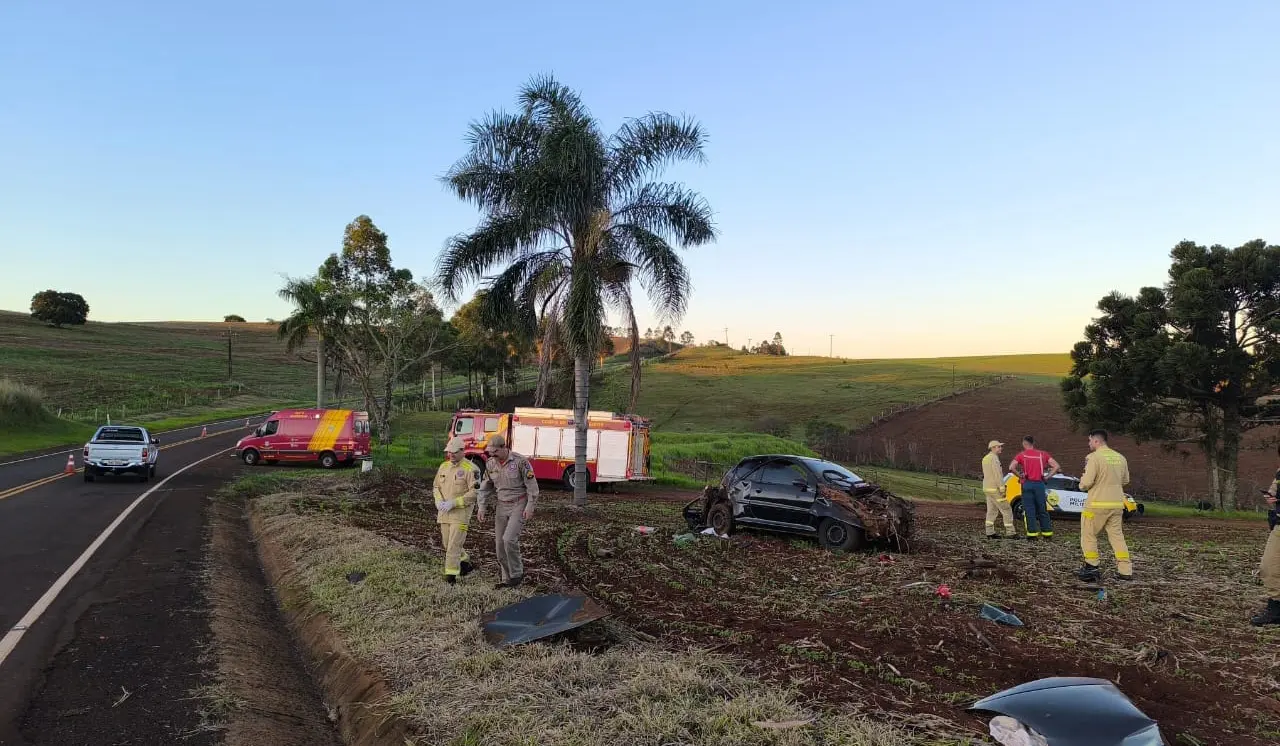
point(21, 469)
point(88, 617)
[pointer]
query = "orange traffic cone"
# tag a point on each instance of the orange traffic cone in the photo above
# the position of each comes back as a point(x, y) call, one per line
point(204, 431)
point(71, 464)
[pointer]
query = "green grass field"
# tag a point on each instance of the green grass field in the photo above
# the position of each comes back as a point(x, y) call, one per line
point(703, 389)
point(131, 369)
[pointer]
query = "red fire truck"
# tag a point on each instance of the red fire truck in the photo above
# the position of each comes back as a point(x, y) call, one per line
point(617, 444)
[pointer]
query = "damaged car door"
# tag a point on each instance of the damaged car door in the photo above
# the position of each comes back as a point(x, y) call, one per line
point(782, 496)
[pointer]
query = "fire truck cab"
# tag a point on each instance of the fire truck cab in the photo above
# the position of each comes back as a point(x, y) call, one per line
point(617, 444)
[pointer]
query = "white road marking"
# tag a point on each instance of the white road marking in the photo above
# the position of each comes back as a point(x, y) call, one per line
point(10, 640)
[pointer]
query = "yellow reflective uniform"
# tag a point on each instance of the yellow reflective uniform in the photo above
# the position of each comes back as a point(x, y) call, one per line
point(1106, 473)
point(457, 482)
point(993, 489)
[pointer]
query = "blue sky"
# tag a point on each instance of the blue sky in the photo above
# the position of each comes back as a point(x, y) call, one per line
point(917, 178)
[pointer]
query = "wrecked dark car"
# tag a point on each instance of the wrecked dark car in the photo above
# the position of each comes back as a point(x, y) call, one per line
point(806, 496)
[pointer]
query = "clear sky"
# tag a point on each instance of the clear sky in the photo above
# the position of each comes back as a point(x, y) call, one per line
point(915, 178)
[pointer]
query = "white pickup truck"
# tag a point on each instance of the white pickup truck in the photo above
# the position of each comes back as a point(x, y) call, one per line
point(121, 449)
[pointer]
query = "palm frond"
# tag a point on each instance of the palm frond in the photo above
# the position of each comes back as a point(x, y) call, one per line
point(671, 211)
point(499, 238)
point(660, 270)
point(548, 100)
point(644, 146)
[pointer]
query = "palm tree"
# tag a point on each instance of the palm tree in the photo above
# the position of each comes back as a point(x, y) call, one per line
point(570, 218)
point(316, 311)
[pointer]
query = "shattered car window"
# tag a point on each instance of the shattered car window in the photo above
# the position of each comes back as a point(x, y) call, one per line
point(833, 473)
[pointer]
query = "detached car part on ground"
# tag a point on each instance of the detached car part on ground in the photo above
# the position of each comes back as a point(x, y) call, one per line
point(1064, 497)
point(121, 449)
point(1067, 711)
point(805, 496)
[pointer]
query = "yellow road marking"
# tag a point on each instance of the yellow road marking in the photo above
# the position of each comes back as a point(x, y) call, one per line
point(46, 480)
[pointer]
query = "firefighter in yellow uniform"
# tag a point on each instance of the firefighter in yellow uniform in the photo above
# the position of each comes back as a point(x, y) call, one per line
point(993, 488)
point(455, 494)
point(1106, 473)
point(1270, 570)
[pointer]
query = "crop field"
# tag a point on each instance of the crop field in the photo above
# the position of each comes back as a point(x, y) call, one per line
point(867, 632)
point(951, 436)
point(717, 389)
point(1047, 367)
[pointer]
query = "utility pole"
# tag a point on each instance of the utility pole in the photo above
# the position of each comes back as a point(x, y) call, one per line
point(229, 334)
point(831, 341)
point(726, 336)
point(953, 378)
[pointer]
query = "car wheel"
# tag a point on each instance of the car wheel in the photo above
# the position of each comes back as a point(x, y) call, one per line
point(1019, 515)
point(88, 476)
point(153, 471)
point(477, 462)
point(249, 456)
point(145, 475)
point(720, 518)
point(838, 535)
point(328, 460)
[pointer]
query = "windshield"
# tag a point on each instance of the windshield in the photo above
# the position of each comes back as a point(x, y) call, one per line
point(833, 473)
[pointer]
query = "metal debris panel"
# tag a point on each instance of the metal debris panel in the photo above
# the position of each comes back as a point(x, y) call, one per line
point(538, 617)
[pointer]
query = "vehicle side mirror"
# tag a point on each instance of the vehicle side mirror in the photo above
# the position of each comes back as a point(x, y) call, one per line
point(155, 441)
point(803, 485)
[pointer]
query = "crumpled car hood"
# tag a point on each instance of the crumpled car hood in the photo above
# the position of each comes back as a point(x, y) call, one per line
point(1070, 711)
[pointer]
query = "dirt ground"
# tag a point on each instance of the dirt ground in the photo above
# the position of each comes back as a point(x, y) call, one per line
point(951, 436)
point(869, 631)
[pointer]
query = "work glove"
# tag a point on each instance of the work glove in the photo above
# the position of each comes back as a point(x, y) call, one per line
point(446, 506)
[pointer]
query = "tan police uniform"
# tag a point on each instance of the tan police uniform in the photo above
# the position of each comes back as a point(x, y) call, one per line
point(1106, 473)
point(1270, 570)
point(456, 482)
point(993, 488)
point(516, 490)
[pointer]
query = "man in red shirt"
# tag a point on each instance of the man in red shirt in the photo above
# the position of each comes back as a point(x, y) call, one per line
point(1035, 467)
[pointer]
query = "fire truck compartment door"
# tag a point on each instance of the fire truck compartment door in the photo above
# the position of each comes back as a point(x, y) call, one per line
point(567, 436)
point(522, 439)
point(548, 442)
point(612, 463)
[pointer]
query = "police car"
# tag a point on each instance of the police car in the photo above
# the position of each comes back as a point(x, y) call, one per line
point(1064, 497)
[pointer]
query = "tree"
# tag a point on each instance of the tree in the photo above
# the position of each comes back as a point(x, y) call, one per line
point(648, 333)
point(669, 336)
point(389, 324)
point(1192, 362)
point(319, 310)
point(573, 218)
point(233, 318)
point(777, 338)
point(58, 308)
point(686, 338)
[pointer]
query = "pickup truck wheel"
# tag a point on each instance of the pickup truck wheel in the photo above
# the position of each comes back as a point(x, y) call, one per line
point(249, 456)
point(145, 475)
point(838, 535)
point(153, 471)
point(328, 460)
point(88, 475)
point(720, 518)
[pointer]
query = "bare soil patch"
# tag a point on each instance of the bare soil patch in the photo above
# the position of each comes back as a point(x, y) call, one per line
point(869, 631)
point(951, 436)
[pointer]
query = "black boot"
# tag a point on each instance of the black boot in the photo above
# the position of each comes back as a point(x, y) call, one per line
point(1269, 615)
point(451, 579)
point(1089, 573)
point(466, 568)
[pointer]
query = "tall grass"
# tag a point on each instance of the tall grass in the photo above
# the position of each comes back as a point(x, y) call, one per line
point(693, 459)
point(21, 405)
